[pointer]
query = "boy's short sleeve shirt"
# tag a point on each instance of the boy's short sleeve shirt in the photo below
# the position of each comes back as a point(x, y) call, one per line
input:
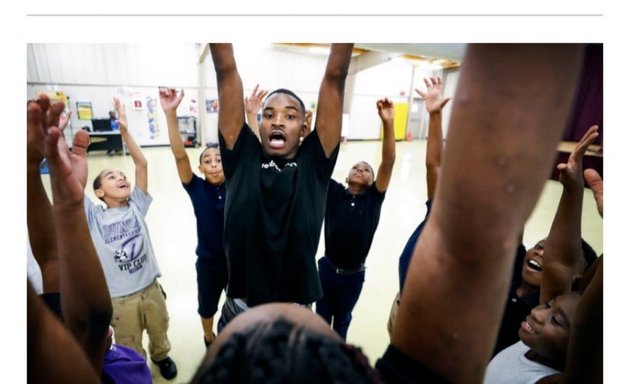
point(273, 217)
point(121, 238)
point(209, 205)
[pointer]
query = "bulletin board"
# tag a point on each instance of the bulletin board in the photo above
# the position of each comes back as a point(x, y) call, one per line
point(56, 96)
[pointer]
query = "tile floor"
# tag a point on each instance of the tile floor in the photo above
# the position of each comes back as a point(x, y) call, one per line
point(172, 227)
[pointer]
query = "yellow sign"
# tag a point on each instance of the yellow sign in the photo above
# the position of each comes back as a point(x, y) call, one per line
point(84, 110)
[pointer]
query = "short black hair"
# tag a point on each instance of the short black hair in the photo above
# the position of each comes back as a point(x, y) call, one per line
point(208, 145)
point(290, 93)
point(96, 184)
point(283, 352)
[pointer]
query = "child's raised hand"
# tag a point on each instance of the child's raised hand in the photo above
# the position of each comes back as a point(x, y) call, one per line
point(570, 173)
point(64, 118)
point(595, 182)
point(41, 115)
point(433, 100)
point(46, 139)
point(121, 111)
point(385, 109)
point(169, 99)
point(254, 101)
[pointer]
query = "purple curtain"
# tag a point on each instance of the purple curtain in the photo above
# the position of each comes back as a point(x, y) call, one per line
point(589, 103)
point(588, 108)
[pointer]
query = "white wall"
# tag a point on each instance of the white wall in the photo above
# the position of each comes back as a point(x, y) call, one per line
point(271, 68)
point(147, 125)
point(98, 72)
point(113, 64)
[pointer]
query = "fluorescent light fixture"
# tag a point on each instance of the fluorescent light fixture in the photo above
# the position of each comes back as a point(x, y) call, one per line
point(317, 50)
point(428, 65)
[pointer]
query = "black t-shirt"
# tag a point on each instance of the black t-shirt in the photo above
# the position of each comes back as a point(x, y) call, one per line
point(351, 221)
point(53, 302)
point(273, 218)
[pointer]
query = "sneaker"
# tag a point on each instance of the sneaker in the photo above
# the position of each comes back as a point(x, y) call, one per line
point(168, 369)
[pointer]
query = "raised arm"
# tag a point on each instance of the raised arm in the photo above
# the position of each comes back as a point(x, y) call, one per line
point(230, 85)
point(434, 102)
point(495, 164)
point(385, 109)
point(52, 352)
point(253, 103)
point(170, 100)
point(39, 218)
point(85, 300)
point(596, 183)
point(140, 162)
point(330, 99)
point(585, 357)
point(563, 250)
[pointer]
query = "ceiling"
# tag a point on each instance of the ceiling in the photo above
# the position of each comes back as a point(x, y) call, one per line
point(446, 55)
point(450, 51)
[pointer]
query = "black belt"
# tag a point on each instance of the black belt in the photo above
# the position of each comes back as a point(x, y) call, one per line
point(345, 271)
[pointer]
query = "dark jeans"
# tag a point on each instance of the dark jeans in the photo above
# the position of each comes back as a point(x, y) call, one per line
point(341, 293)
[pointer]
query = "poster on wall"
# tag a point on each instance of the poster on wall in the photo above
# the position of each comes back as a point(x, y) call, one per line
point(212, 105)
point(154, 129)
point(84, 110)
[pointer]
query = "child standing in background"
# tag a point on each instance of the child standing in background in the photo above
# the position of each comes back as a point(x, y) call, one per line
point(208, 199)
point(352, 216)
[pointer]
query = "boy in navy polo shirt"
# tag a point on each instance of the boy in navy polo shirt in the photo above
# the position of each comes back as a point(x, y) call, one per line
point(208, 199)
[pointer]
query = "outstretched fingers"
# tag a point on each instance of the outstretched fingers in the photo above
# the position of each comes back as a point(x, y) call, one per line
point(54, 114)
point(55, 149)
point(587, 139)
point(122, 113)
point(78, 157)
point(44, 104)
point(35, 131)
point(260, 95)
point(66, 187)
point(595, 182)
point(574, 163)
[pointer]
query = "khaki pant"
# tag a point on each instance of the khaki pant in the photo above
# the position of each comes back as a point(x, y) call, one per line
point(145, 309)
